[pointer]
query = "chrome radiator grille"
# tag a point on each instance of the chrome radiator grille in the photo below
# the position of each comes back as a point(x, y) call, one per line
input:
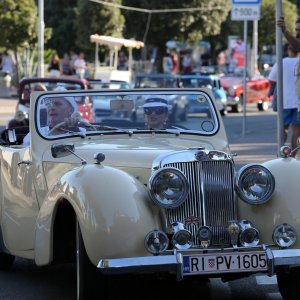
point(210, 199)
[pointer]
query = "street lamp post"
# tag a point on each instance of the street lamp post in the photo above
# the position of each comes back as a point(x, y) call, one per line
point(41, 26)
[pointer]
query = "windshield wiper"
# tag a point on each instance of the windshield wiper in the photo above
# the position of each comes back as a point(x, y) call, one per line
point(105, 127)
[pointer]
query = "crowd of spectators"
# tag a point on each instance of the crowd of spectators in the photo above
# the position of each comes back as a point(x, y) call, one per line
point(71, 64)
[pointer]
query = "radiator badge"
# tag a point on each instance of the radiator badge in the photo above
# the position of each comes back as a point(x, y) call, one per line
point(191, 220)
point(201, 155)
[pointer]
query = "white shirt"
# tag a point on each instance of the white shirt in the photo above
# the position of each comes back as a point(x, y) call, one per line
point(79, 64)
point(7, 64)
point(290, 98)
point(44, 131)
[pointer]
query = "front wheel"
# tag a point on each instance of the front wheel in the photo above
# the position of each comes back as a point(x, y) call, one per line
point(223, 112)
point(89, 280)
point(6, 261)
point(288, 283)
point(238, 107)
point(263, 106)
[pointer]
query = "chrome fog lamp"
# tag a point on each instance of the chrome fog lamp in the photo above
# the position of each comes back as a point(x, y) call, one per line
point(284, 235)
point(182, 238)
point(156, 242)
point(168, 187)
point(204, 235)
point(255, 184)
point(234, 231)
point(249, 235)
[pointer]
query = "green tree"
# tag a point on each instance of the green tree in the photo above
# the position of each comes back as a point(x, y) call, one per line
point(183, 26)
point(60, 16)
point(18, 21)
point(267, 23)
point(94, 18)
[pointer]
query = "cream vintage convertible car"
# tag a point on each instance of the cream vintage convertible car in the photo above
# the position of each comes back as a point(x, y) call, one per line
point(124, 197)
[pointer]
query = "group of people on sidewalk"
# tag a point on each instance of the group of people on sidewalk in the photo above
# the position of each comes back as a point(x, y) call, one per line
point(71, 64)
point(291, 84)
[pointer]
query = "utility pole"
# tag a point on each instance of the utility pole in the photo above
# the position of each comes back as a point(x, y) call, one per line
point(279, 84)
point(41, 27)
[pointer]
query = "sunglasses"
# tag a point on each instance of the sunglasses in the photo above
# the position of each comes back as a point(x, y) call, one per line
point(156, 110)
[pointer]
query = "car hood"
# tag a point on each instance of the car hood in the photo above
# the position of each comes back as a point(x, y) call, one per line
point(134, 154)
point(141, 151)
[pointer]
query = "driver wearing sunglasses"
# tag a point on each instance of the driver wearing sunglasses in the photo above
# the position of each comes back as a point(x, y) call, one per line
point(156, 112)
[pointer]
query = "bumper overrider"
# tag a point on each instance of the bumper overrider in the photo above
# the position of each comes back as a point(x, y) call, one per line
point(179, 262)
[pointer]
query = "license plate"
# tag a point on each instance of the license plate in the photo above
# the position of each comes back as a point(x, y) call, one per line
point(225, 263)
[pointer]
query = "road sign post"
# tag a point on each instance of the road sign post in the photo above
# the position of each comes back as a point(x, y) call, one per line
point(245, 10)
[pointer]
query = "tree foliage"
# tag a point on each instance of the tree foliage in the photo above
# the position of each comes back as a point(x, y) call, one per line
point(267, 23)
point(60, 17)
point(183, 26)
point(18, 23)
point(92, 18)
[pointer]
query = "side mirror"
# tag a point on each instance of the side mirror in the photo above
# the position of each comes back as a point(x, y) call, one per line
point(9, 136)
point(62, 149)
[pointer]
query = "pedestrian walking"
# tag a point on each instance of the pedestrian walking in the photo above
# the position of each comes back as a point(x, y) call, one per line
point(7, 64)
point(290, 97)
point(80, 66)
point(54, 67)
point(66, 65)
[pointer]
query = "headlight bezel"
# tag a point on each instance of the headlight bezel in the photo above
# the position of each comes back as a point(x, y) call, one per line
point(241, 180)
point(168, 202)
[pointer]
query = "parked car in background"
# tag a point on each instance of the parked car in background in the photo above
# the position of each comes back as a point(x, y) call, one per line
point(179, 105)
point(101, 106)
point(257, 91)
point(211, 81)
point(160, 80)
point(96, 84)
point(30, 84)
point(118, 197)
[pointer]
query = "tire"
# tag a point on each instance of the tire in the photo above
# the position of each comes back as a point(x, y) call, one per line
point(6, 261)
point(238, 107)
point(89, 279)
point(263, 106)
point(223, 112)
point(288, 283)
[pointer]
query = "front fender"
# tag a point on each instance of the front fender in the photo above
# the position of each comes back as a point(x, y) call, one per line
point(284, 206)
point(112, 207)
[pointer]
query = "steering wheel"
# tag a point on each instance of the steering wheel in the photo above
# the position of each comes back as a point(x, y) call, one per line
point(64, 123)
point(57, 126)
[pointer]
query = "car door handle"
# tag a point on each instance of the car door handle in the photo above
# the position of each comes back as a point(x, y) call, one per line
point(24, 162)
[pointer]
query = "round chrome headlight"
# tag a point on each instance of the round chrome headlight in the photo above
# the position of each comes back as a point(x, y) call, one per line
point(284, 235)
point(255, 184)
point(168, 187)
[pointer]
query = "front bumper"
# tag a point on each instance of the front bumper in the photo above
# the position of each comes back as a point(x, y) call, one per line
point(232, 100)
point(174, 263)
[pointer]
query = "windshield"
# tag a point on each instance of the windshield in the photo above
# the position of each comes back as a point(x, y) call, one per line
point(193, 112)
